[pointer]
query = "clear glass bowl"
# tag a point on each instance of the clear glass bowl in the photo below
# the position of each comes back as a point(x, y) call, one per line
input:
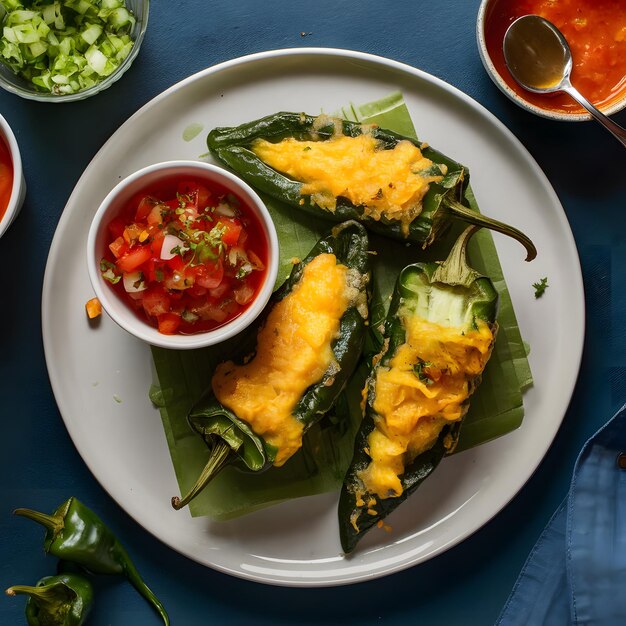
point(21, 87)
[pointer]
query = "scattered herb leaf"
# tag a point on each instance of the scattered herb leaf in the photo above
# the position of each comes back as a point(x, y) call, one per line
point(540, 287)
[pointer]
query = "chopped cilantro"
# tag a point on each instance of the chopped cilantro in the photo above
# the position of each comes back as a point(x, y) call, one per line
point(418, 370)
point(540, 287)
point(109, 273)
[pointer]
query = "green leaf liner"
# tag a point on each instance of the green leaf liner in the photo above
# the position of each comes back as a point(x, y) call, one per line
point(182, 376)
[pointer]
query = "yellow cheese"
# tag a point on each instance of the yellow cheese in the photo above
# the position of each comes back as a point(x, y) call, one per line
point(293, 353)
point(412, 409)
point(386, 183)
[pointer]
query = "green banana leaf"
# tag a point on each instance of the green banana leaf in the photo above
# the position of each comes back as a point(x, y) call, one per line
point(182, 376)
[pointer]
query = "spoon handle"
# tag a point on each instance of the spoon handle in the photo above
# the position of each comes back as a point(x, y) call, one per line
point(617, 131)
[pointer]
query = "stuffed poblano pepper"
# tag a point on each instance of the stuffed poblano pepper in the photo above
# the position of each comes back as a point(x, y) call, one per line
point(438, 336)
point(307, 346)
point(62, 600)
point(339, 170)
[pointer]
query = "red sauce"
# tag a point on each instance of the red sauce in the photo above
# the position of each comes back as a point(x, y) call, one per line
point(187, 255)
point(596, 33)
point(6, 177)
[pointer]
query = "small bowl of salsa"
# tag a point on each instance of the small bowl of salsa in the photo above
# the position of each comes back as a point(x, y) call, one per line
point(596, 33)
point(12, 185)
point(182, 254)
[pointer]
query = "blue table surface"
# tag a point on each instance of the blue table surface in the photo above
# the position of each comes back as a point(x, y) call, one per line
point(39, 466)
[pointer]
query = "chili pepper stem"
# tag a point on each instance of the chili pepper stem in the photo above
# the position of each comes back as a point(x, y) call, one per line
point(47, 597)
point(217, 459)
point(54, 523)
point(473, 217)
point(455, 269)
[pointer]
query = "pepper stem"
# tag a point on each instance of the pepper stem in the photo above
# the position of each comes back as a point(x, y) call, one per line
point(473, 217)
point(217, 459)
point(47, 597)
point(455, 269)
point(54, 523)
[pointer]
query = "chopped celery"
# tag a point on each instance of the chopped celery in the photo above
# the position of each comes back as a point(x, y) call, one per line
point(65, 46)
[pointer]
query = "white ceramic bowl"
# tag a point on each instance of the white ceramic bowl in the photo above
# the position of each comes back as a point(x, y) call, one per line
point(18, 190)
point(140, 181)
point(616, 106)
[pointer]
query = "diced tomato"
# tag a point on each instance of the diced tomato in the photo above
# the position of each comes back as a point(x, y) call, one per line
point(204, 197)
point(146, 204)
point(209, 276)
point(208, 310)
point(243, 237)
point(232, 231)
point(254, 259)
point(156, 301)
point(116, 227)
point(132, 233)
point(176, 263)
point(157, 244)
point(134, 258)
point(244, 294)
point(119, 247)
point(168, 323)
point(155, 216)
point(196, 291)
point(221, 290)
point(189, 189)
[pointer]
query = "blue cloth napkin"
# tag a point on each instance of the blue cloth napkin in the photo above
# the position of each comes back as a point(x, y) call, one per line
point(576, 573)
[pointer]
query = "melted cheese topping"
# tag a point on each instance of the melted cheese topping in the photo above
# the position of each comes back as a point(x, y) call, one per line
point(423, 388)
point(386, 183)
point(293, 353)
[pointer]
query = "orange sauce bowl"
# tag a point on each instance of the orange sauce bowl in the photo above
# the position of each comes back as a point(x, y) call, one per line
point(596, 33)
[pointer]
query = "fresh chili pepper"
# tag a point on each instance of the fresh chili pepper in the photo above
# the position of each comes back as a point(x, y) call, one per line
point(442, 203)
point(230, 438)
point(438, 336)
point(75, 533)
point(62, 600)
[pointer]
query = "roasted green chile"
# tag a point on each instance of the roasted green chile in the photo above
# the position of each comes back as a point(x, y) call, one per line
point(442, 204)
point(443, 293)
point(62, 600)
point(74, 533)
point(229, 438)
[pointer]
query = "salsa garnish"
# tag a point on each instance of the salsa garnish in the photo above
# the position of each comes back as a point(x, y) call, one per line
point(187, 256)
point(596, 33)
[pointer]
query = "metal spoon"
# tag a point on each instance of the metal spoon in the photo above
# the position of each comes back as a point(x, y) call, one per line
point(540, 60)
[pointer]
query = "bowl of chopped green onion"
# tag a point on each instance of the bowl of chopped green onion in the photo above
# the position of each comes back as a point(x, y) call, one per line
point(65, 50)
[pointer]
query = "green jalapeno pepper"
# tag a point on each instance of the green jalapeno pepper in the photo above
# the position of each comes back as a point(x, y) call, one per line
point(62, 600)
point(442, 203)
point(231, 439)
point(76, 534)
point(397, 448)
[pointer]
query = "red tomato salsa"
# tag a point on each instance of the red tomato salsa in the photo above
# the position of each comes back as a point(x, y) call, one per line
point(6, 177)
point(596, 33)
point(188, 256)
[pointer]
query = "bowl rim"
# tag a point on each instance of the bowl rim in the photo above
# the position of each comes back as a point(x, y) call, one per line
point(42, 96)
point(17, 197)
point(515, 97)
point(123, 316)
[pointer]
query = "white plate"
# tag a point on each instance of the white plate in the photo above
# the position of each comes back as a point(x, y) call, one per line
point(100, 376)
